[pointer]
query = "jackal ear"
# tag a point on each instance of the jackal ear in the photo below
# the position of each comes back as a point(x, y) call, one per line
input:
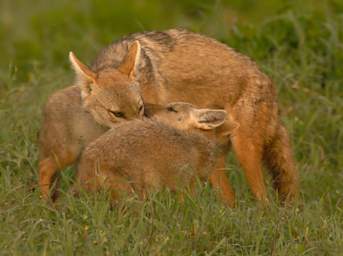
point(83, 72)
point(208, 119)
point(129, 66)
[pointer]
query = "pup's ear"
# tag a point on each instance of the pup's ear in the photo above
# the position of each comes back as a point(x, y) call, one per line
point(85, 77)
point(208, 119)
point(129, 66)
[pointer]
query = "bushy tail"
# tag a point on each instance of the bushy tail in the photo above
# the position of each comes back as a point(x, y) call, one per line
point(279, 159)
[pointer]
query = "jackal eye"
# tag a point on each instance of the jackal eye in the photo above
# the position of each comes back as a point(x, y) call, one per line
point(171, 109)
point(117, 114)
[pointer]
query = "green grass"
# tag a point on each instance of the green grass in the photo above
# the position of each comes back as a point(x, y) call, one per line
point(298, 43)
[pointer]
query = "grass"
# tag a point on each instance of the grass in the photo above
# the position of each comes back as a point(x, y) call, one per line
point(298, 43)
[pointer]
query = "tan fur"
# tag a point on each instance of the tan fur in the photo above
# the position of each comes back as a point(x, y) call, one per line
point(177, 65)
point(65, 130)
point(141, 156)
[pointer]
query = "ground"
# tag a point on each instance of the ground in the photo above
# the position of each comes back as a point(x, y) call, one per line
point(298, 44)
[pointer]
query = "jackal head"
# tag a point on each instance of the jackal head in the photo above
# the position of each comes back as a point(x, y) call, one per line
point(185, 116)
point(112, 94)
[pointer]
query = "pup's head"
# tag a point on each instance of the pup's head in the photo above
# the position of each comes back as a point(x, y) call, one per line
point(185, 116)
point(112, 94)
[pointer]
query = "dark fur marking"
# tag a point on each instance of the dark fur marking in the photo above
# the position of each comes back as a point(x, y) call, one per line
point(148, 69)
point(161, 38)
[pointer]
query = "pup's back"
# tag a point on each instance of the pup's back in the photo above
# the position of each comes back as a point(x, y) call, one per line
point(66, 125)
point(144, 155)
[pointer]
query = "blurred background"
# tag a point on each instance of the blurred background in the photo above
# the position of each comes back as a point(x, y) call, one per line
point(44, 31)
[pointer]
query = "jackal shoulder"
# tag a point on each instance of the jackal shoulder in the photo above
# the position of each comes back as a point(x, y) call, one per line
point(156, 45)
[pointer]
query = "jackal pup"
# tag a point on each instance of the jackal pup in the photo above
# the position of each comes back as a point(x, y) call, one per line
point(167, 151)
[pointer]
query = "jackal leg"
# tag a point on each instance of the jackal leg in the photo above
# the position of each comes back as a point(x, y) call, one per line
point(249, 155)
point(48, 169)
point(221, 183)
point(279, 160)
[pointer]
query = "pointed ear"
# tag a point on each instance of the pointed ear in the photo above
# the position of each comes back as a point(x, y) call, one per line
point(83, 73)
point(129, 66)
point(208, 119)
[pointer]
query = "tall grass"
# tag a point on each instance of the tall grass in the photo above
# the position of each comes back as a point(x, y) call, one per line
point(297, 43)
